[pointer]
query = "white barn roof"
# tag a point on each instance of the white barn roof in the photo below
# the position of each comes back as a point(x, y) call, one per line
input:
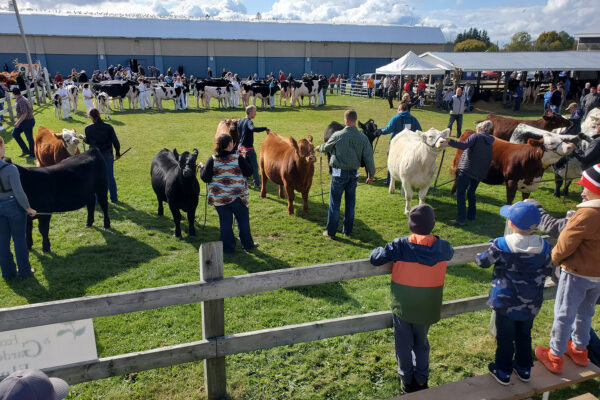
point(170, 28)
point(517, 61)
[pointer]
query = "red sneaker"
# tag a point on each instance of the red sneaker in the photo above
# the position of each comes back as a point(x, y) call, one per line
point(579, 357)
point(550, 361)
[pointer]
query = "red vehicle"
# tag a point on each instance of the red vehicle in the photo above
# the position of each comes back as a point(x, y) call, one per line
point(489, 75)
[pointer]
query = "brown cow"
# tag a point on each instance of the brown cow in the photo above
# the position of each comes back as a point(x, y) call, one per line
point(52, 147)
point(519, 166)
point(504, 127)
point(289, 164)
point(229, 127)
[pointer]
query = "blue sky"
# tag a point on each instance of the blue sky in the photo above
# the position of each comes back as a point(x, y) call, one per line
point(501, 18)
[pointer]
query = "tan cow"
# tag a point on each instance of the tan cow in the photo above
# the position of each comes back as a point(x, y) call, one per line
point(52, 147)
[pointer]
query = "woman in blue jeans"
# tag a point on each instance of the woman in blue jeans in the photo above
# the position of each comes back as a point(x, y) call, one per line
point(14, 208)
point(225, 173)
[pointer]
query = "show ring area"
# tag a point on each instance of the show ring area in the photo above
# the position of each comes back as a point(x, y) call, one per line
point(132, 311)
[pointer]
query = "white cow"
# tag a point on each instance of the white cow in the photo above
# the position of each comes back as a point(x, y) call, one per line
point(222, 94)
point(592, 120)
point(57, 103)
point(412, 161)
point(309, 89)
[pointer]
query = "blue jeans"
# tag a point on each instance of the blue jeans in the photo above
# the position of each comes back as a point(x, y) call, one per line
point(465, 185)
point(412, 350)
point(13, 223)
point(1, 108)
point(251, 157)
point(573, 311)
point(340, 184)
point(109, 160)
point(370, 92)
point(518, 103)
point(513, 338)
point(467, 105)
point(458, 118)
point(27, 127)
point(555, 109)
point(438, 99)
point(226, 213)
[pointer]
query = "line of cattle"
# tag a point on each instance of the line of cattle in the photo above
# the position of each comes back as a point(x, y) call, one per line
point(67, 180)
point(203, 89)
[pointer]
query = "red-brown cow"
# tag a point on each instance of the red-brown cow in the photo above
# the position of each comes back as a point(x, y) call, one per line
point(289, 164)
point(228, 127)
point(519, 166)
point(52, 147)
point(504, 127)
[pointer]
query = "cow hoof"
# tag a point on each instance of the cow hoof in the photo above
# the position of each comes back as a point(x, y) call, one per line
point(556, 194)
point(46, 251)
point(106, 226)
point(88, 225)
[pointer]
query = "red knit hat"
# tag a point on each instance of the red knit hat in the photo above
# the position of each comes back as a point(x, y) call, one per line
point(591, 179)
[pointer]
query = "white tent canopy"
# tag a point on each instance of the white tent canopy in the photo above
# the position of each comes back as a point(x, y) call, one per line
point(409, 64)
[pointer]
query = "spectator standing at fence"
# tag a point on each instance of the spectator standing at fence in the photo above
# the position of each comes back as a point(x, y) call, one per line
point(421, 88)
point(225, 173)
point(392, 91)
point(577, 252)
point(469, 91)
point(448, 99)
point(25, 123)
point(349, 148)
point(14, 208)
point(386, 85)
point(419, 264)
point(457, 108)
point(439, 93)
point(518, 96)
point(590, 101)
point(556, 99)
point(521, 262)
point(547, 96)
point(332, 81)
point(472, 169)
point(3, 92)
point(370, 86)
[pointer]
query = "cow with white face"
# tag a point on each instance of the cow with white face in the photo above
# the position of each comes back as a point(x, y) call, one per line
point(555, 146)
point(412, 161)
point(592, 120)
point(103, 104)
point(53, 147)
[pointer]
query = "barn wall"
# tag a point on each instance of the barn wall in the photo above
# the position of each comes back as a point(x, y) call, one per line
point(241, 56)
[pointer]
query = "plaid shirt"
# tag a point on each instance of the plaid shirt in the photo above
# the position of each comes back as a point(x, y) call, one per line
point(23, 106)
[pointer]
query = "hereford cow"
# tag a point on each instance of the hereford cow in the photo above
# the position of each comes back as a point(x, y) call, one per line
point(102, 99)
point(309, 88)
point(568, 167)
point(75, 182)
point(504, 127)
point(229, 127)
point(73, 94)
point(174, 181)
point(518, 166)
point(290, 165)
point(52, 147)
point(411, 160)
point(161, 93)
point(285, 93)
point(57, 103)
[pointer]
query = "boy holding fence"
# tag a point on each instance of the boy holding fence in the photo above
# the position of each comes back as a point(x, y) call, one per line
point(418, 272)
point(521, 263)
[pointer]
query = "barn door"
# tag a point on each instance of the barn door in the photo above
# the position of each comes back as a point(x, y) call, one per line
point(324, 68)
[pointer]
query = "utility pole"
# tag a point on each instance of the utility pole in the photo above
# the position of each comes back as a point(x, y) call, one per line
point(31, 71)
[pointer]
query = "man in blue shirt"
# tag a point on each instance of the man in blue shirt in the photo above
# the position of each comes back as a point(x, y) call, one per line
point(518, 95)
point(399, 122)
point(246, 130)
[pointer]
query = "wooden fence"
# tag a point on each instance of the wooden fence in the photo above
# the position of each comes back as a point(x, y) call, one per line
point(8, 108)
point(211, 291)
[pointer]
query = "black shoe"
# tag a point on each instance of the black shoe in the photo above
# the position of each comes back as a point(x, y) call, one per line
point(501, 377)
point(456, 222)
point(255, 245)
point(525, 376)
point(422, 386)
point(24, 155)
point(409, 388)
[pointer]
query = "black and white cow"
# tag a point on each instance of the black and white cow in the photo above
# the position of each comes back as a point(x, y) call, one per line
point(75, 182)
point(57, 103)
point(73, 93)
point(116, 90)
point(285, 92)
point(102, 99)
point(308, 88)
point(222, 94)
point(161, 93)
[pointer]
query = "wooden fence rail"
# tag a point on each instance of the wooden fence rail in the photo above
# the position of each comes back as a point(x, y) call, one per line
point(212, 290)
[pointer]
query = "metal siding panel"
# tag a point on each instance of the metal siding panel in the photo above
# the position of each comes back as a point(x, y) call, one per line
point(284, 49)
point(70, 45)
point(63, 63)
point(295, 65)
point(8, 58)
point(241, 48)
point(129, 46)
point(339, 65)
point(171, 47)
point(368, 65)
point(243, 66)
point(330, 49)
point(12, 44)
point(192, 65)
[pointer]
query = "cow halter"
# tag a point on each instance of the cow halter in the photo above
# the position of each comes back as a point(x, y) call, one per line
point(434, 143)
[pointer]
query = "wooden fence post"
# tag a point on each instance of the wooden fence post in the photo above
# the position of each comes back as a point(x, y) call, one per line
point(213, 319)
point(9, 106)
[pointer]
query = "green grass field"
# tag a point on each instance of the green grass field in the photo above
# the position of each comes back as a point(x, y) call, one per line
point(141, 252)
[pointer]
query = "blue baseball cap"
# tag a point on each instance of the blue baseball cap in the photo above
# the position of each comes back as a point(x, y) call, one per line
point(524, 216)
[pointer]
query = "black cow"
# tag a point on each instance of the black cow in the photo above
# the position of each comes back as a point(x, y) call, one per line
point(369, 129)
point(174, 181)
point(118, 90)
point(262, 91)
point(69, 185)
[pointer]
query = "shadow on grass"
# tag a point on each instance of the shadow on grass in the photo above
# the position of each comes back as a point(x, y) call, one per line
point(85, 266)
point(473, 274)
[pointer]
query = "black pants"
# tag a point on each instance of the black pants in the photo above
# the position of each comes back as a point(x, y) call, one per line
point(391, 101)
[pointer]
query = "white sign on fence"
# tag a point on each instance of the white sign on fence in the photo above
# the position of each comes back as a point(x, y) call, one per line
point(47, 346)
